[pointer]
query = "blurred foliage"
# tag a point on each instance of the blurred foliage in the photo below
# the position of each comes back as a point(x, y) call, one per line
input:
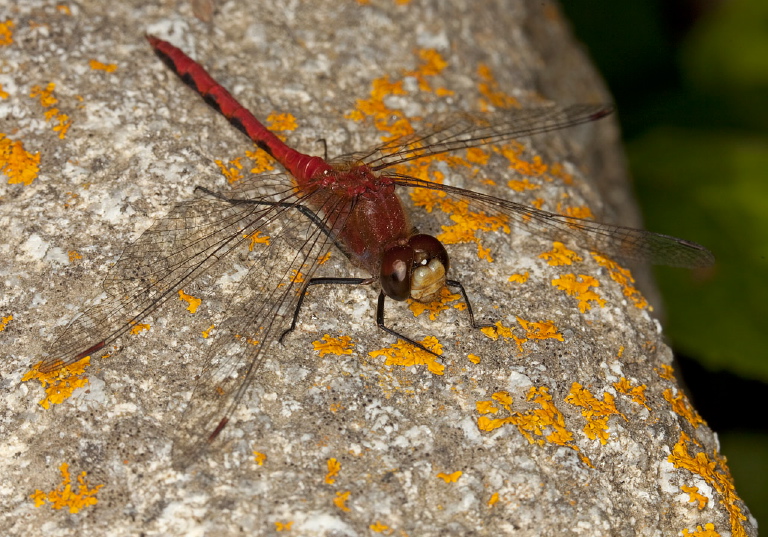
point(690, 78)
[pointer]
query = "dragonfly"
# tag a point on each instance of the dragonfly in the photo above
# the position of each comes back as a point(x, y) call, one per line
point(284, 224)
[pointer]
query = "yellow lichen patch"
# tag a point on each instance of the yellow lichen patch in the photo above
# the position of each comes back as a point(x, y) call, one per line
point(436, 306)
point(715, 473)
point(493, 500)
point(489, 88)
point(581, 211)
point(667, 372)
point(297, 277)
point(4, 321)
point(560, 255)
point(333, 345)
point(259, 458)
point(477, 155)
point(98, 66)
point(432, 63)
point(63, 8)
point(6, 33)
point(19, 165)
point(281, 122)
point(624, 278)
point(707, 531)
point(334, 467)
point(595, 411)
point(193, 302)
point(519, 185)
point(695, 497)
point(283, 526)
point(64, 496)
point(450, 478)
point(468, 223)
point(473, 358)
point(207, 333)
point(262, 162)
point(256, 238)
point(341, 499)
point(3, 94)
point(406, 355)
point(139, 328)
point(513, 151)
point(231, 170)
point(47, 100)
point(682, 407)
point(533, 330)
point(519, 278)
point(59, 383)
point(539, 425)
point(73, 256)
point(557, 170)
point(378, 527)
point(637, 393)
point(580, 288)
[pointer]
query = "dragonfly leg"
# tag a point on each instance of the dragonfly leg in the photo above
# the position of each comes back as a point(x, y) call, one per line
point(456, 283)
point(325, 146)
point(320, 281)
point(380, 323)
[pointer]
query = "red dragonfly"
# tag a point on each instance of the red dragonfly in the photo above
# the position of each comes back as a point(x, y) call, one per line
point(350, 203)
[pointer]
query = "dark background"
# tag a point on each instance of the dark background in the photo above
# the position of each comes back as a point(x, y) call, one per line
point(690, 79)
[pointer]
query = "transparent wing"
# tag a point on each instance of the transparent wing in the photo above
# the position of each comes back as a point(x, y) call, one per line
point(615, 241)
point(470, 130)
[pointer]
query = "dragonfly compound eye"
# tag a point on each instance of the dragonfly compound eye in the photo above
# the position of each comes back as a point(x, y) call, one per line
point(431, 267)
point(396, 268)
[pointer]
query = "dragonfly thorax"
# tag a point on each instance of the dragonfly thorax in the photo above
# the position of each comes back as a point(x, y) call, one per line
point(414, 269)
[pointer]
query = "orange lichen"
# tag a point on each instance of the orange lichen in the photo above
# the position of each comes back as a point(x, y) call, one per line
point(64, 496)
point(73, 256)
point(139, 327)
point(340, 500)
point(19, 165)
point(707, 531)
point(489, 88)
point(6, 32)
point(4, 321)
point(232, 170)
point(594, 410)
point(580, 288)
point(63, 8)
point(334, 467)
point(332, 345)
point(493, 499)
point(378, 527)
point(259, 458)
point(207, 333)
point(98, 66)
point(521, 185)
point(637, 393)
point(533, 330)
point(624, 278)
point(576, 212)
point(193, 302)
point(666, 372)
point(695, 497)
point(682, 407)
point(716, 474)
point(262, 162)
point(438, 305)
point(473, 358)
point(256, 239)
point(546, 422)
point(47, 100)
point(281, 122)
point(519, 278)
point(3, 94)
point(59, 384)
point(406, 355)
point(560, 255)
point(283, 526)
point(450, 478)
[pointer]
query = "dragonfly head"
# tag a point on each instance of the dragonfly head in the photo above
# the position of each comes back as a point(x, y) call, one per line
point(415, 269)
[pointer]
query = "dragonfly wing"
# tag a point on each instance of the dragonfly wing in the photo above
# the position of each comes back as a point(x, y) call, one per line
point(615, 241)
point(262, 308)
point(175, 251)
point(471, 130)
